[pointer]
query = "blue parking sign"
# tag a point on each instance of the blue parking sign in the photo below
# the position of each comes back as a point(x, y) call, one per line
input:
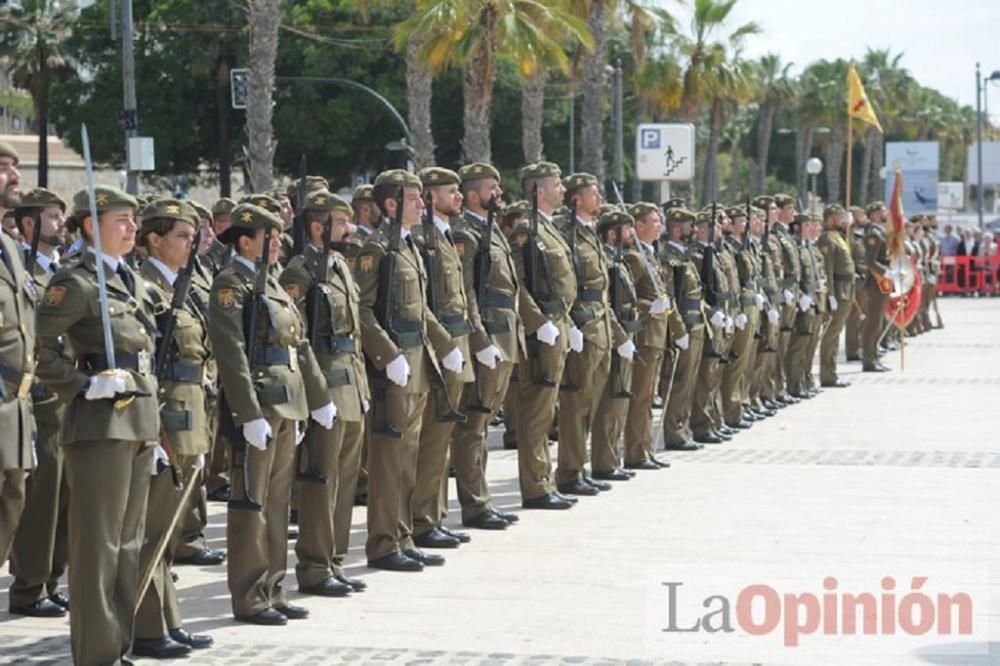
point(650, 139)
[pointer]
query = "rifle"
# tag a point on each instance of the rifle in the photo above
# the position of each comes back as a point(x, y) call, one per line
point(240, 458)
point(484, 266)
point(708, 264)
point(299, 224)
point(531, 269)
point(29, 261)
point(578, 271)
point(617, 275)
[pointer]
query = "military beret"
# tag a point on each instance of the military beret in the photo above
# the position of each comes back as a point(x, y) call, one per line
point(578, 181)
point(7, 150)
point(759, 212)
point(313, 183)
point(801, 218)
point(250, 216)
point(857, 209)
point(261, 201)
point(642, 208)
point(40, 197)
point(606, 207)
point(438, 176)
point(782, 200)
point(539, 170)
point(478, 171)
point(171, 209)
point(363, 193)
point(517, 209)
point(398, 177)
point(763, 201)
point(322, 201)
point(144, 199)
point(675, 202)
point(703, 217)
point(679, 215)
point(223, 206)
point(736, 210)
point(614, 218)
point(106, 198)
point(874, 206)
point(201, 210)
point(833, 209)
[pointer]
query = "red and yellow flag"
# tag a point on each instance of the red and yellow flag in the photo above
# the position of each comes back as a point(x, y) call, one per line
point(858, 106)
point(895, 228)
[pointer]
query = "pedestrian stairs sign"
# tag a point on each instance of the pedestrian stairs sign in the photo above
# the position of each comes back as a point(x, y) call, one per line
point(665, 152)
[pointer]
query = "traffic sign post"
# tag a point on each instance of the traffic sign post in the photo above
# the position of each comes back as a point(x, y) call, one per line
point(665, 152)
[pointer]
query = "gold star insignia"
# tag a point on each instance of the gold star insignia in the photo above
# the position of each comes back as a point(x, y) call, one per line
point(320, 200)
point(477, 169)
point(102, 199)
point(247, 216)
point(433, 176)
point(173, 210)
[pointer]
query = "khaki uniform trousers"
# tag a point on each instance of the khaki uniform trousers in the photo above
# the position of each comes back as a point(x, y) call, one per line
point(677, 424)
point(535, 408)
point(159, 611)
point(13, 491)
point(639, 445)
point(831, 340)
point(429, 494)
point(875, 316)
point(609, 418)
point(587, 372)
point(734, 373)
point(855, 325)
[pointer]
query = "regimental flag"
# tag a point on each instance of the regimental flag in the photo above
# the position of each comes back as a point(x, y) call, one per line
point(858, 105)
point(895, 228)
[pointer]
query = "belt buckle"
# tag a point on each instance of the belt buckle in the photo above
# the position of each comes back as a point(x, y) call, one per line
point(24, 388)
point(293, 359)
point(145, 363)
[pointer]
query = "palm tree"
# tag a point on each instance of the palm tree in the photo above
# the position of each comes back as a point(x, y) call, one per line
point(532, 114)
point(775, 89)
point(729, 83)
point(33, 34)
point(472, 34)
point(822, 103)
point(264, 18)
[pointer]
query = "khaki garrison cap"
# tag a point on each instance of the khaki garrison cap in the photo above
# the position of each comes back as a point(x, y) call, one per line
point(539, 170)
point(478, 171)
point(398, 177)
point(105, 198)
point(433, 176)
point(40, 197)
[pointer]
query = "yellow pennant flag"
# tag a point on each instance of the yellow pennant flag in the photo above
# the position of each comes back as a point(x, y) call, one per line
point(858, 105)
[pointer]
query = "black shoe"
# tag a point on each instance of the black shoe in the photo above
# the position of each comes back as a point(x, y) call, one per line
point(356, 584)
point(878, 367)
point(578, 487)
point(361, 499)
point(791, 399)
point(683, 446)
point(463, 537)
point(853, 359)
point(799, 395)
point(435, 538)
point(739, 425)
point(396, 561)
point(603, 486)
point(708, 438)
point(329, 587)
point(771, 406)
point(293, 532)
point(268, 616)
point(750, 415)
point(159, 648)
point(426, 559)
point(60, 598)
point(612, 475)
point(487, 520)
point(195, 641)
point(220, 494)
point(510, 446)
point(724, 435)
point(657, 402)
point(44, 607)
point(505, 515)
point(645, 464)
point(203, 558)
point(546, 502)
point(662, 464)
point(293, 612)
point(566, 498)
point(174, 576)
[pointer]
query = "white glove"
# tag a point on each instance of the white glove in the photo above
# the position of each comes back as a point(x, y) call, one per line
point(741, 321)
point(805, 302)
point(547, 333)
point(759, 300)
point(788, 296)
point(325, 415)
point(718, 319)
point(398, 371)
point(576, 339)
point(453, 360)
point(159, 455)
point(729, 324)
point(257, 432)
point(626, 350)
point(199, 462)
point(773, 315)
point(106, 385)
point(833, 303)
point(489, 357)
point(365, 405)
point(660, 305)
point(683, 342)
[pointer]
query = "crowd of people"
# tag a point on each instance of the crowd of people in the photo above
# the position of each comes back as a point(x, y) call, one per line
point(294, 354)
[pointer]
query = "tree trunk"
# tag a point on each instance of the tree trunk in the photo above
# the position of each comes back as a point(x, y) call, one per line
point(877, 187)
point(710, 188)
point(866, 166)
point(264, 19)
point(532, 115)
point(42, 114)
point(834, 155)
point(594, 94)
point(765, 128)
point(222, 110)
point(803, 150)
point(419, 90)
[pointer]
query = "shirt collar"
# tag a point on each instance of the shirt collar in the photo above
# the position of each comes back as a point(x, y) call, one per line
point(677, 245)
point(442, 225)
point(170, 276)
point(475, 215)
point(644, 244)
point(42, 260)
point(112, 262)
point(246, 262)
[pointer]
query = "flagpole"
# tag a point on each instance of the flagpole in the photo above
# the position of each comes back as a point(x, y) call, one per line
point(850, 145)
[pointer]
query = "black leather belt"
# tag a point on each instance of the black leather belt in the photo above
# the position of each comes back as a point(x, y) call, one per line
point(748, 300)
point(494, 299)
point(408, 334)
point(178, 371)
point(552, 307)
point(689, 304)
point(141, 362)
point(9, 375)
point(273, 355)
point(336, 344)
point(590, 295)
point(456, 325)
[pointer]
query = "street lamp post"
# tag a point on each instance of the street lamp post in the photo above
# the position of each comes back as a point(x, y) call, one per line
point(980, 98)
point(814, 166)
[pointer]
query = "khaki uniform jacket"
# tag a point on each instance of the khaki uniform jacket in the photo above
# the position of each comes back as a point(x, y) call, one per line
point(17, 357)
point(626, 315)
point(42, 398)
point(216, 257)
point(747, 272)
point(182, 381)
point(555, 283)
point(411, 317)
point(772, 268)
point(858, 256)
point(790, 260)
point(71, 307)
point(447, 282)
point(839, 264)
point(687, 284)
point(284, 381)
point(592, 310)
point(496, 320)
point(729, 264)
point(817, 266)
point(651, 282)
point(338, 326)
point(876, 251)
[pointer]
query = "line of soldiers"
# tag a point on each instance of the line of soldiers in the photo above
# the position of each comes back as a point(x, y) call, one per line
point(293, 350)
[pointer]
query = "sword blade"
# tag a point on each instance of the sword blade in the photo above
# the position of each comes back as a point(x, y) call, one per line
point(102, 285)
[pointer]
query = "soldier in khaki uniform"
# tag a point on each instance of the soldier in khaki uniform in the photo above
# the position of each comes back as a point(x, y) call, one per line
point(821, 299)
point(772, 272)
point(168, 229)
point(729, 295)
point(681, 363)
point(17, 362)
point(497, 340)
point(38, 556)
point(448, 301)
point(395, 328)
point(366, 213)
point(261, 401)
point(806, 310)
point(876, 295)
point(856, 240)
point(112, 423)
point(840, 277)
point(746, 320)
point(792, 277)
point(766, 333)
point(545, 269)
point(328, 460)
point(660, 324)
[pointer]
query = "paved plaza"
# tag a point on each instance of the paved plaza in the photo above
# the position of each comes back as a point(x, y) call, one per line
point(897, 477)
